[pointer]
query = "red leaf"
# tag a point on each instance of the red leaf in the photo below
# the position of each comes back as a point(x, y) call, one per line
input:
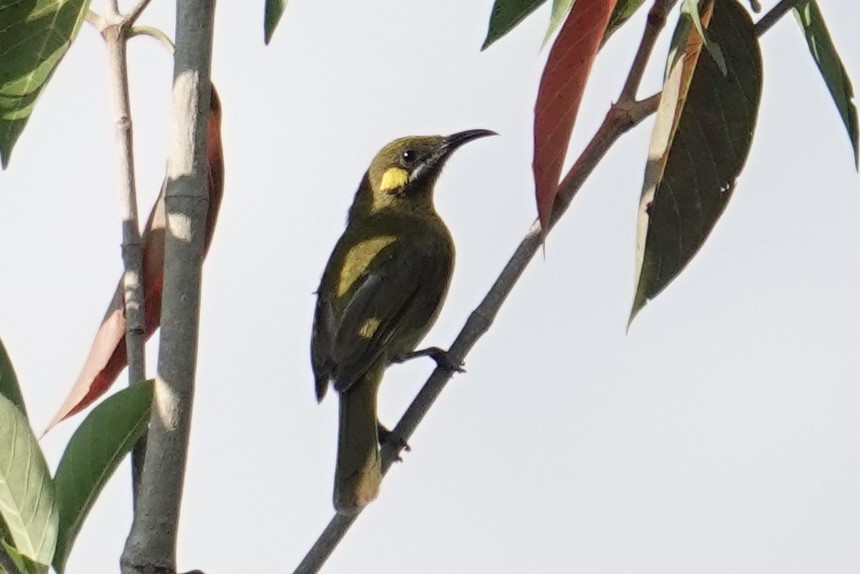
point(108, 356)
point(560, 93)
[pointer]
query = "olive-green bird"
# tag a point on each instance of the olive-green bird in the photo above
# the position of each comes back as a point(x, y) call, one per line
point(381, 291)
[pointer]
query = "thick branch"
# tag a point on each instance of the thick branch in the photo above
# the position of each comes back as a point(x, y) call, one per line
point(151, 545)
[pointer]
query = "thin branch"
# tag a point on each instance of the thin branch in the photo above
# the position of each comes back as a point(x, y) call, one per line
point(6, 563)
point(135, 12)
point(621, 117)
point(151, 544)
point(132, 247)
point(772, 17)
point(656, 21)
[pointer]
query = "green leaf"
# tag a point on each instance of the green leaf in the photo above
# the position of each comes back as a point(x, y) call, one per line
point(701, 139)
point(93, 454)
point(830, 64)
point(622, 12)
point(506, 15)
point(9, 382)
point(560, 9)
point(27, 495)
point(274, 11)
point(34, 37)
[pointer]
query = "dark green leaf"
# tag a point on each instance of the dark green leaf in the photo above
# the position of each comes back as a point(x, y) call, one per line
point(830, 64)
point(27, 495)
point(9, 382)
point(701, 139)
point(274, 11)
point(34, 37)
point(506, 15)
point(93, 454)
point(622, 12)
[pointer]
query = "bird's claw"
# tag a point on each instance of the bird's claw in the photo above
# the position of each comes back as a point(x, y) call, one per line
point(440, 356)
point(387, 437)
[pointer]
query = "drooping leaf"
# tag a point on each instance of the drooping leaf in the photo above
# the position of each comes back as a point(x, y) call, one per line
point(94, 452)
point(27, 496)
point(107, 357)
point(274, 11)
point(34, 37)
point(9, 387)
point(623, 11)
point(830, 65)
point(560, 10)
point(561, 87)
point(506, 14)
point(701, 139)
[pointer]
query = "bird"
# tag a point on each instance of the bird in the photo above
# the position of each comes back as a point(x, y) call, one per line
point(108, 357)
point(381, 291)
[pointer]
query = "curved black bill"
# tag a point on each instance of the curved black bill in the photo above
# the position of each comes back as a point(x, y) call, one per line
point(454, 141)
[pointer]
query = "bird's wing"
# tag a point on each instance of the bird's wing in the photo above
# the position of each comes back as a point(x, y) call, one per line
point(390, 310)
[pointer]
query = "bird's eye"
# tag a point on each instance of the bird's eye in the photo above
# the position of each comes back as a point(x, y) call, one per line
point(407, 158)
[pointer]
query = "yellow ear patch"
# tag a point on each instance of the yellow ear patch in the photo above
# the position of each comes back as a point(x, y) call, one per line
point(394, 178)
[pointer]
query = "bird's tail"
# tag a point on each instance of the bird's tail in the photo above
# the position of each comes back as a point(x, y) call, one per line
point(358, 472)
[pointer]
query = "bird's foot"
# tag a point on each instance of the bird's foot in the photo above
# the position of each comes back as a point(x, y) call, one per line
point(442, 357)
point(387, 436)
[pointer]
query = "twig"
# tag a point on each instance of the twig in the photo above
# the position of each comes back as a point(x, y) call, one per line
point(6, 562)
point(774, 14)
point(622, 116)
point(151, 545)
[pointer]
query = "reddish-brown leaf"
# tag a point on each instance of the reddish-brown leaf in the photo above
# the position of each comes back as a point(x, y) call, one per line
point(560, 93)
point(108, 356)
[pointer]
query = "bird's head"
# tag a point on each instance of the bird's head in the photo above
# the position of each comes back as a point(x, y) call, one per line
point(405, 170)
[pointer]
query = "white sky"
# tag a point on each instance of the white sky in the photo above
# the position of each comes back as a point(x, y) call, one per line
point(720, 435)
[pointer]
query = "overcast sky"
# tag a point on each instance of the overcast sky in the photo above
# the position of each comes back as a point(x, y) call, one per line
point(721, 434)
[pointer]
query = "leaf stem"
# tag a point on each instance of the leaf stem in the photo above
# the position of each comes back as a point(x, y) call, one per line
point(153, 33)
point(6, 562)
point(773, 15)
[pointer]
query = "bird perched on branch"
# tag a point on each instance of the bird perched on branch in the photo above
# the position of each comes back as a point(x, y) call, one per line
point(381, 291)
